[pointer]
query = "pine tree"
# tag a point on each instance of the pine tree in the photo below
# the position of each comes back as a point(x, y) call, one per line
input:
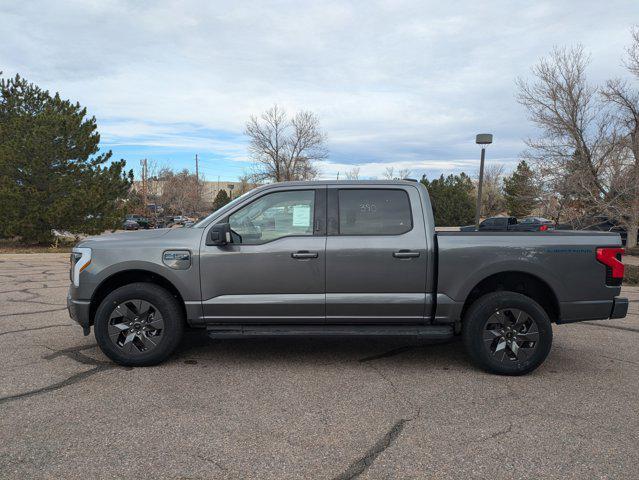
point(520, 191)
point(221, 199)
point(451, 199)
point(51, 174)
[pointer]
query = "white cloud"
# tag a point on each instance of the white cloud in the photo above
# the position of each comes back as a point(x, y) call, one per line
point(393, 81)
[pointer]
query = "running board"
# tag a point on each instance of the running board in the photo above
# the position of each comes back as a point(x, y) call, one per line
point(431, 332)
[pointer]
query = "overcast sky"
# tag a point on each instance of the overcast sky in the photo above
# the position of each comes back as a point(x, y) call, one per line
point(402, 83)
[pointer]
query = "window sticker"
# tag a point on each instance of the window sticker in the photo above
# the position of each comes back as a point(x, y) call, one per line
point(301, 215)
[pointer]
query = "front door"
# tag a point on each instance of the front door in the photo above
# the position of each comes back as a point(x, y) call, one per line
point(274, 269)
point(376, 256)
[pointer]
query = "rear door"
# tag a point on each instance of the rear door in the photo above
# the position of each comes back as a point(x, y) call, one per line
point(376, 255)
point(500, 224)
point(487, 225)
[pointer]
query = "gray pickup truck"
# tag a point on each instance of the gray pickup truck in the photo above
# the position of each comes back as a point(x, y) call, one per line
point(342, 258)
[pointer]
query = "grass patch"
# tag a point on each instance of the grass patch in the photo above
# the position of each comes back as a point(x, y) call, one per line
point(13, 246)
point(631, 275)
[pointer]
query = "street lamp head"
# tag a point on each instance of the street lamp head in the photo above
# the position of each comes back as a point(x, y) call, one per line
point(484, 138)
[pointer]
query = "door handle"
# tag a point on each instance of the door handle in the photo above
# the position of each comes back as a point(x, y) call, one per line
point(405, 254)
point(302, 254)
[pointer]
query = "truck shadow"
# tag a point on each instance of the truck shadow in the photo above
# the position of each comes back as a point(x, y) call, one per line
point(198, 348)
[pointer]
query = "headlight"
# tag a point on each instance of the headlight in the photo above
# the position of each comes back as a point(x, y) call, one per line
point(80, 259)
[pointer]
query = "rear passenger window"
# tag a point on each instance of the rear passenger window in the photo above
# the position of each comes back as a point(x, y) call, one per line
point(487, 223)
point(374, 212)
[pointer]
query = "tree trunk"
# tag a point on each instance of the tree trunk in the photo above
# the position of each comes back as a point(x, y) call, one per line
point(633, 224)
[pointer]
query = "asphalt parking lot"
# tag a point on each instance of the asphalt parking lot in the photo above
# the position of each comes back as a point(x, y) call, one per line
point(304, 408)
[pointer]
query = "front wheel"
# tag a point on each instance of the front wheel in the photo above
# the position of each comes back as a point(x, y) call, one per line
point(507, 333)
point(139, 324)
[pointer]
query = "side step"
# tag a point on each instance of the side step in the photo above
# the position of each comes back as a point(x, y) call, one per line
point(430, 332)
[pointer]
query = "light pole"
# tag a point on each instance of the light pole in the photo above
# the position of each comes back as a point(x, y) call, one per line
point(481, 139)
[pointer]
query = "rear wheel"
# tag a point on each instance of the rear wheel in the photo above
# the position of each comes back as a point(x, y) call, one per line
point(139, 324)
point(507, 333)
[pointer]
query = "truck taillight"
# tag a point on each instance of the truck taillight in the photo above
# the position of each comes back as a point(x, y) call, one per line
point(543, 228)
point(611, 258)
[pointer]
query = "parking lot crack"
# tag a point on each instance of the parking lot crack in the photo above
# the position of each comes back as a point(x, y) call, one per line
point(498, 433)
point(615, 327)
point(390, 353)
point(397, 392)
point(32, 312)
point(37, 328)
point(73, 353)
point(209, 460)
point(73, 379)
point(622, 360)
point(362, 464)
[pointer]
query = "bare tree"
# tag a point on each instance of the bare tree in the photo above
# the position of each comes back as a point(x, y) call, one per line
point(492, 196)
point(389, 173)
point(403, 173)
point(179, 191)
point(625, 101)
point(353, 174)
point(153, 186)
point(285, 149)
point(580, 154)
point(632, 60)
point(246, 184)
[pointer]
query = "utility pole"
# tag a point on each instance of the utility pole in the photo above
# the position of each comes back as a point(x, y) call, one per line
point(197, 184)
point(481, 139)
point(144, 200)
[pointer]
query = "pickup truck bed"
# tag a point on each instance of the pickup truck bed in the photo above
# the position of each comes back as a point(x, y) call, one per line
point(561, 266)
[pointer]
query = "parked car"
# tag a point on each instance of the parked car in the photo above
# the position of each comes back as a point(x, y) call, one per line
point(533, 224)
point(161, 223)
point(501, 224)
point(342, 258)
point(130, 225)
point(601, 224)
point(142, 222)
point(492, 224)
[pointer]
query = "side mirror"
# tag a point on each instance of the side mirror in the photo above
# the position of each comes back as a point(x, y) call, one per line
point(219, 235)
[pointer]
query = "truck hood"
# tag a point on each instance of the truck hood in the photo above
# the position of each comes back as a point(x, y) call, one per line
point(126, 236)
point(144, 239)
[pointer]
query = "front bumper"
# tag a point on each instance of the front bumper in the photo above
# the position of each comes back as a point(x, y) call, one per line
point(79, 310)
point(619, 307)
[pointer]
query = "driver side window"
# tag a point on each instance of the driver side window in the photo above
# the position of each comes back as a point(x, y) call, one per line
point(273, 216)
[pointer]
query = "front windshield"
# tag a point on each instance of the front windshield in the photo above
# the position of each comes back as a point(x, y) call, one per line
point(201, 223)
point(528, 220)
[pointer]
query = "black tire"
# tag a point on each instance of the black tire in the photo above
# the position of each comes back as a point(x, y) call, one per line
point(497, 342)
point(148, 344)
